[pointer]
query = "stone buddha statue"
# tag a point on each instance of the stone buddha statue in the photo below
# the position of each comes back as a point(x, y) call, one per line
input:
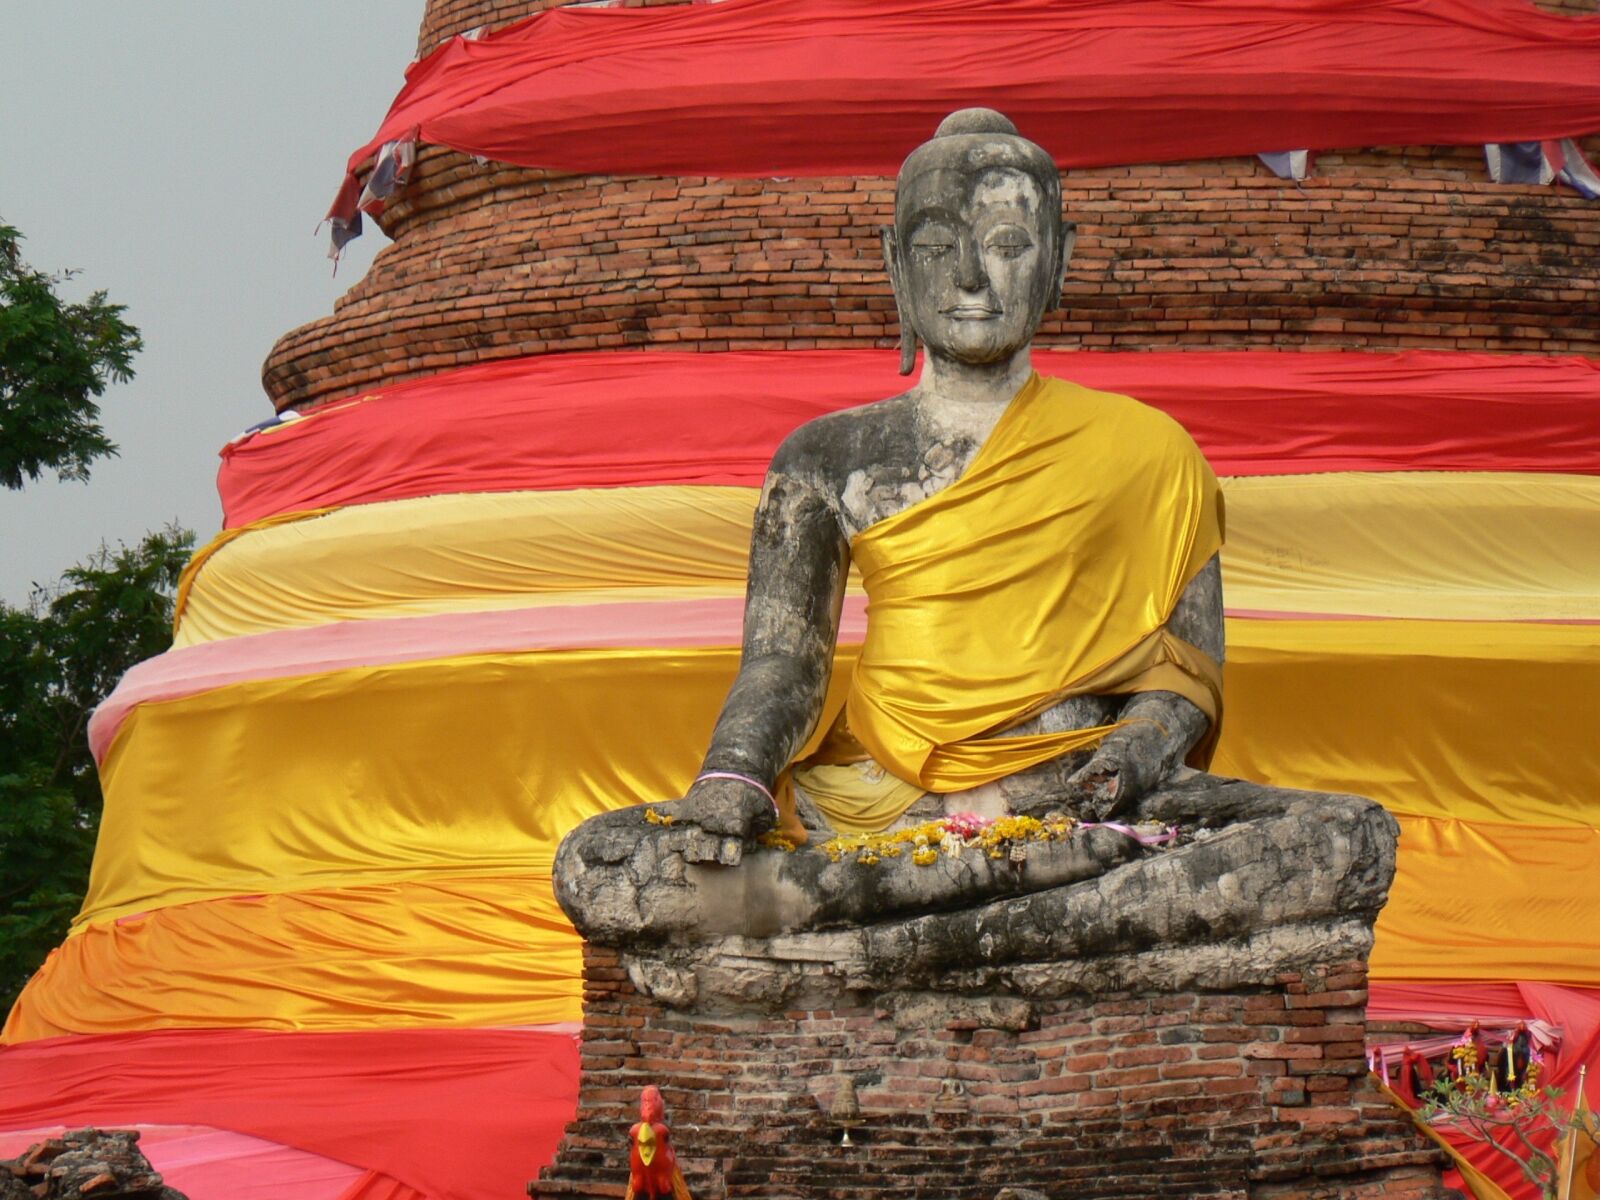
point(1071, 482)
point(1044, 639)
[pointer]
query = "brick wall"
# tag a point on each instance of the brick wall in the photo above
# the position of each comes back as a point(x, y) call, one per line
point(1382, 250)
point(1258, 1094)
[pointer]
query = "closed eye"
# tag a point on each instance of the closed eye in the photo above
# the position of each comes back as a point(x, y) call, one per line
point(1009, 247)
point(930, 239)
point(1008, 241)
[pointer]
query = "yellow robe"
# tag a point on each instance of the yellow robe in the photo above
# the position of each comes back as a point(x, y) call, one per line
point(1048, 570)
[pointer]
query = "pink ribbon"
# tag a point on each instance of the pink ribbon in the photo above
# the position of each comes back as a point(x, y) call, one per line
point(1144, 839)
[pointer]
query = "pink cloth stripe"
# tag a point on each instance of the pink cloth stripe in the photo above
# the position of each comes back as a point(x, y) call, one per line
point(650, 624)
point(344, 645)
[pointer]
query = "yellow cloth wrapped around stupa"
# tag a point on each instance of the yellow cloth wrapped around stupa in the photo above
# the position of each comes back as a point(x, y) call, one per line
point(1048, 570)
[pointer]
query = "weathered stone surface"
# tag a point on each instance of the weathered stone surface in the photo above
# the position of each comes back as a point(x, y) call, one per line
point(624, 877)
point(922, 1010)
point(84, 1164)
point(1325, 858)
point(1267, 880)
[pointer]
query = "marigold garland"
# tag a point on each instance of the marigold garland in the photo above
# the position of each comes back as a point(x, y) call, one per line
point(951, 836)
point(947, 836)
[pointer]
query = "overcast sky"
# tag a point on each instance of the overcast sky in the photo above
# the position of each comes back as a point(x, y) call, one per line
point(180, 153)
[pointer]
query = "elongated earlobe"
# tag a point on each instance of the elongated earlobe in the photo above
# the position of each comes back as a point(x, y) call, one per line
point(1068, 239)
point(908, 332)
point(908, 347)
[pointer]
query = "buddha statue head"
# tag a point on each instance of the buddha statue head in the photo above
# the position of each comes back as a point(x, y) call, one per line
point(978, 249)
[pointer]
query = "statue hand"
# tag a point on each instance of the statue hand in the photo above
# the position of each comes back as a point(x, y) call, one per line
point(1156, 731)
point(726, 807)
point(1107, 785)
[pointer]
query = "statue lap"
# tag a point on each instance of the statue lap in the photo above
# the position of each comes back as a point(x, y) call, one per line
point(1260, 879)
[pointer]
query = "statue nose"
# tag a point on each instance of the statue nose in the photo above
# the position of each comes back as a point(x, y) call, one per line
point(970, 275)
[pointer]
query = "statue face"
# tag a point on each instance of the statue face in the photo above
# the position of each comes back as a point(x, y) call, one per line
point(977, 259)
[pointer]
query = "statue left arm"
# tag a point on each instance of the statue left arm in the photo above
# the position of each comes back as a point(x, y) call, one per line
point(1162, 726)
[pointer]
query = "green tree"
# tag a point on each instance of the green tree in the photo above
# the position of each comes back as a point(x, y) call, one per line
point(55, 361)
point(65, 650)
point(59, 657)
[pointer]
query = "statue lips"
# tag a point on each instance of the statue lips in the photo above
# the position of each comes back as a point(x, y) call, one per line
point(970, 329)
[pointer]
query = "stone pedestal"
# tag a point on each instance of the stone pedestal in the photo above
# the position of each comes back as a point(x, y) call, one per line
point(1254, 1092)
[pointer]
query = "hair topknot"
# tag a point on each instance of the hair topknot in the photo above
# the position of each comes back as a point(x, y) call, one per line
point(975, 120)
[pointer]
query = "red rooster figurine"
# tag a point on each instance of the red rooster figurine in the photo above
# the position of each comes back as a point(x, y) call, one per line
point(652, 1166)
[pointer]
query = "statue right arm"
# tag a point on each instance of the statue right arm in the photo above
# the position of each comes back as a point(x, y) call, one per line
point(799, 561)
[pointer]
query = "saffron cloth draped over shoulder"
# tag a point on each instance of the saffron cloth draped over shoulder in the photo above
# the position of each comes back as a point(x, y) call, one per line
point(1049, 569)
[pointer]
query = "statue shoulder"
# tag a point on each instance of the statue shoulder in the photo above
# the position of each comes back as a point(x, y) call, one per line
point(1156, 435)
point(828, 448)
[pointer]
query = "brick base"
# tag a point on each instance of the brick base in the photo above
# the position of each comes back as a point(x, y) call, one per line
point(1255, 1094)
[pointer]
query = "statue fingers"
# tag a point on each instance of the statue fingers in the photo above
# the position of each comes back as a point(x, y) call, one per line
point(1099, 788)
point(1107, 796)
point(727, 807)
point(1102, 765)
